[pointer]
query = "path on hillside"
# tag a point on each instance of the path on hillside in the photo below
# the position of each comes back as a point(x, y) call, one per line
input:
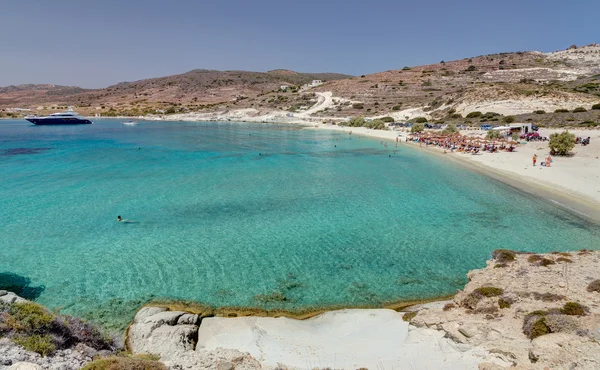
point(324, 101)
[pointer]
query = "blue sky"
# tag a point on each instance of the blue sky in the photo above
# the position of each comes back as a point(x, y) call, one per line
point(99, 43)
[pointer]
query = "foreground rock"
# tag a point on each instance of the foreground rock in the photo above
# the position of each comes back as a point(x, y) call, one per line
point(31, 337)
point(535, 311)
point(15, 357)
point(346, 339)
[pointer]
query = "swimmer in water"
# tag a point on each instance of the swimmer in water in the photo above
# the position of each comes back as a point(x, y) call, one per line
point(119, 219)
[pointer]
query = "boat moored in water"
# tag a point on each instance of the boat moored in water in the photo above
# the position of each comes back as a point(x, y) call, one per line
point(68, 117)
point(130, 123)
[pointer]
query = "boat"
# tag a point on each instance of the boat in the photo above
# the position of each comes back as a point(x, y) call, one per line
point(130, 123)
point(68, 117)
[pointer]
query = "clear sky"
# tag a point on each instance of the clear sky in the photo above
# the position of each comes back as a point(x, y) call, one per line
point(99, 43)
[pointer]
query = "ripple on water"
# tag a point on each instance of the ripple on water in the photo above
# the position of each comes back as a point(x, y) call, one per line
point(308, 226)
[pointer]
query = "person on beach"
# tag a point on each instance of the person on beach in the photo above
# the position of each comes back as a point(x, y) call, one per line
point(548, 161)
point(534, 158)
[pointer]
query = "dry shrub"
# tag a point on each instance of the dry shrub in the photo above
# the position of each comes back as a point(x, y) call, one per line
point(504, 255)
point(594, 286)
point(561, 324)
point(489, 310)
point(500, 265)
point(564, 259)
point(548, 297)
point(534, 258)
point(409, 316)
point(539, 260)
point(449, 306)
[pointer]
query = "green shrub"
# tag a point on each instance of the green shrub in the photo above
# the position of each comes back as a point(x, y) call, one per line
point(358, 106)
point(387, 119)
point(561, 110)
point(409, 316)
point(594, 286)
point(504, 255)
point(492, 134)
point(574, 309)
point(539, 328)
point(356, 122)
point(500, 265)
point(561, 144)
point(489, 291)
point(450, 129)
point(41, 344)
point(376, 124)
point(406, 69)
point(125, 363)
point(509, 119)
point(471, 69)
point(420, 120)
point(29, 317)
point(504, 303)
point(417, 127)
point(579, 110)
point(396, 107)
point(596, 106)
point(474, 114)
point(539, 112)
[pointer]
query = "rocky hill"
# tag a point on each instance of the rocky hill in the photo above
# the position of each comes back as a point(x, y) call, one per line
point(558, 88)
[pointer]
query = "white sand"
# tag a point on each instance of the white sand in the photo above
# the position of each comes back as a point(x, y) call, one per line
point(345, 339)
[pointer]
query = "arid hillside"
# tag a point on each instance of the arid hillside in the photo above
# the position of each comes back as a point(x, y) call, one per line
point(554, 88)
point(194, 90)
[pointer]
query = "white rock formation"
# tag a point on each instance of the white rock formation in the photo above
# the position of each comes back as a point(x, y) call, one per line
point(345, 339)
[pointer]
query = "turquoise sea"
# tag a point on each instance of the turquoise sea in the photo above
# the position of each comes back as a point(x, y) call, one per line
point(261, 215)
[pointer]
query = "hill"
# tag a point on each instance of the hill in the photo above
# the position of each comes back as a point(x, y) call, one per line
point(545, 86)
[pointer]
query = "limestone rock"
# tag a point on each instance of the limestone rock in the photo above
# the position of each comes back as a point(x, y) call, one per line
point(188, 319)
point(147, 311)
point(10, 298)
point(25, 366)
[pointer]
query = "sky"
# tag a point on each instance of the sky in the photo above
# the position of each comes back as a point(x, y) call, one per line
point(99, 43)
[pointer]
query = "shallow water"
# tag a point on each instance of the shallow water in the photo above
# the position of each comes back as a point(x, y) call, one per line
point(249, 214)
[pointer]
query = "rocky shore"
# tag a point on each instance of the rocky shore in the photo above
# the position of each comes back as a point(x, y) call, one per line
point(523, 311)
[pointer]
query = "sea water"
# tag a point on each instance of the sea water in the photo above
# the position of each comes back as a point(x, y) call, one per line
point(252, 215)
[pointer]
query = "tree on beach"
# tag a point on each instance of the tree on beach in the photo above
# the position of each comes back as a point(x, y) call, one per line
point(450, 129)
point(561, 144)
point(417, 127)
point(492, 135)
point(376, 124)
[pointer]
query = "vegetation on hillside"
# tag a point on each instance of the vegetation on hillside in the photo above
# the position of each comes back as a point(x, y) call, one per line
point(39, 330)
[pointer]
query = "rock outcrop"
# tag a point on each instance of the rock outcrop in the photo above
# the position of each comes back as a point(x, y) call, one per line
point(173, 336)
point(72, 333)
point(532, 310)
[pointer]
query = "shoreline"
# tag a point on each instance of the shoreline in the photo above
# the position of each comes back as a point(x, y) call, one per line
point(582, 204)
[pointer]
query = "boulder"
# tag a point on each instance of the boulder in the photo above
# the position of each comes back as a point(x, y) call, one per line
point(161, 332)
point(188, 319)
point(147, 311)
point(10, 298)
